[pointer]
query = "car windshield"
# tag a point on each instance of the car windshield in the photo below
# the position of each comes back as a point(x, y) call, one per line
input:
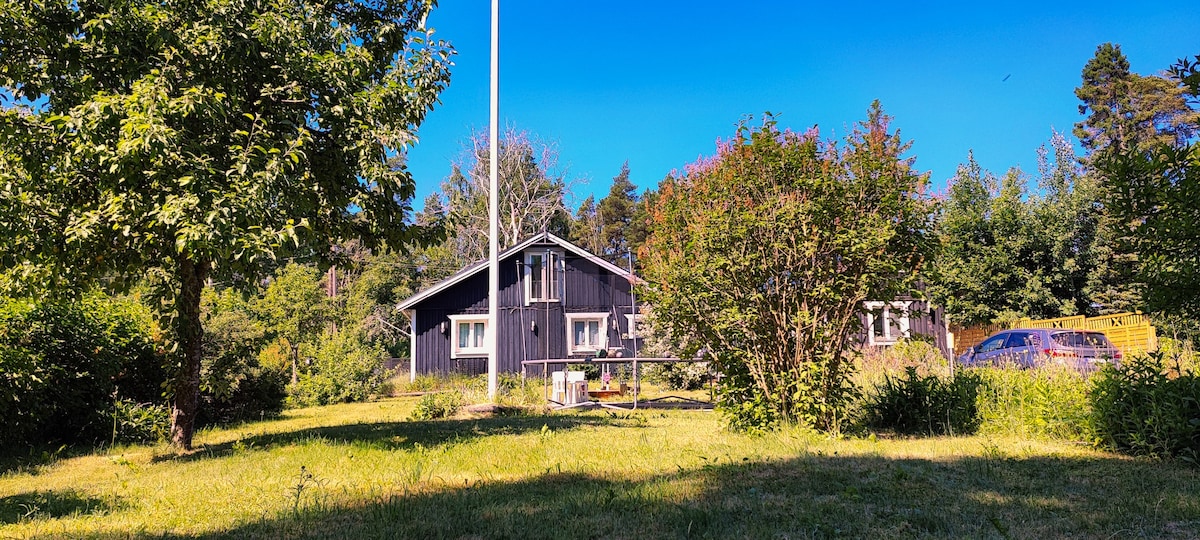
point(1094, 340)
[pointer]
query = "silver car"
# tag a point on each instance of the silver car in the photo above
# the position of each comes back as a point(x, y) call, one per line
point(1084, 350)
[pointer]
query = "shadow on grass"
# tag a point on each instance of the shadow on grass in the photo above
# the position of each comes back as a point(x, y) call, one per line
point(405, 435)
point(30, 460)
point(812, 496)
point(50, 505)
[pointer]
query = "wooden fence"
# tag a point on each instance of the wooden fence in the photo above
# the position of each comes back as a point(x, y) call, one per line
point(1131, 332)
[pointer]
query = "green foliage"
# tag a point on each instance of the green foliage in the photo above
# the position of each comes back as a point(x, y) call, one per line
point(585, 227)
point(615, 213)
point(1140, 136)
point(1127, 112)
point(1045, 402)
point(135, 422)
point(1007, 254)
point(925, 405)
point(764, 255)
point(370, 290)
point(186, 141)
point(1139, 408)
point(234, 384)
point(342, 369)
point(437, 405)
point(678, 376)
point(62, 364)
point(294, 306)
point(1154, 193)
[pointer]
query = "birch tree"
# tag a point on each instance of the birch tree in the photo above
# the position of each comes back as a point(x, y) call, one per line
point(532, 190)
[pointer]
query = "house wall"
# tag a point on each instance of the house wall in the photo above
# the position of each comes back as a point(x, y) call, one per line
point(536, 331)
point(922, 321)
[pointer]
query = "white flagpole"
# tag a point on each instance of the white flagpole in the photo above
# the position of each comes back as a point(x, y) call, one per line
point(493, 325)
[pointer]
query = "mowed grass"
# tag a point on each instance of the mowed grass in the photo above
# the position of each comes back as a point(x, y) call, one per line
point(364, 471)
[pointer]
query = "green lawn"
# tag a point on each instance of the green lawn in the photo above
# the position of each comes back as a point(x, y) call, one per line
point(364, 471)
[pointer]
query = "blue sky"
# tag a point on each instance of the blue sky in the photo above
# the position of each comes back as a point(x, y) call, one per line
point(658, 83)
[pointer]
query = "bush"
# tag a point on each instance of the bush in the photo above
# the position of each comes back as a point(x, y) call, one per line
point(918, 352)
point(918, 405)
point(439, 405)
point(135, 422)
point(1050, 401)
point(745, 409)
point(342, 369)
point(238, 381)
point(62, 365)
point(1139, 408)
point(678, 376)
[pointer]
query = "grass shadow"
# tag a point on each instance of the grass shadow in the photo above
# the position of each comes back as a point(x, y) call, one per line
point(50, 505)
point(40, 456)
point(406, 434)
point(811, 496)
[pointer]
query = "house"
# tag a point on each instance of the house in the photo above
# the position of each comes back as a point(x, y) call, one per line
point(885, 323)
point(556, 300)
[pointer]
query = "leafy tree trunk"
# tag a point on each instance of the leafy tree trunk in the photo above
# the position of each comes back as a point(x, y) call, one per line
point(192, 275)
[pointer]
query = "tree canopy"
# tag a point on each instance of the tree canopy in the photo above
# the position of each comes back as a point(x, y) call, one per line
point(1152, 194)
point(764, 254)
point(194, 141)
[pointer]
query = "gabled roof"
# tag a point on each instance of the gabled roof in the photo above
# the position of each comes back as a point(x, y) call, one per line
point(479, 266)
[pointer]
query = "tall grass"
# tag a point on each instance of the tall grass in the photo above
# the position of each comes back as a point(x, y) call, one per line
point(1046, 402)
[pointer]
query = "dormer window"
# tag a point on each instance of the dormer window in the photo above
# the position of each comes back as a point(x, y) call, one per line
point(542, 276)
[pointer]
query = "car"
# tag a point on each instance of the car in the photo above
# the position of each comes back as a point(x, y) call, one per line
point(1085, 350)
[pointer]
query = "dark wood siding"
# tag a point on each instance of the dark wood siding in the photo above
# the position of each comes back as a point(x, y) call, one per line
point(527, 332)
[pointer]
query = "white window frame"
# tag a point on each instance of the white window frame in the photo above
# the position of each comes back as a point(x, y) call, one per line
point(886, 310)
point(632, 330)
point(551, 280)
point(467, 352)
point(591, 348)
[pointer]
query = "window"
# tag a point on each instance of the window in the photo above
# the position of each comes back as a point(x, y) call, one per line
point(586, 332)
point(994, 344)
point(886, 322)
point(1022, 339)
point(542, 276)
point(468, 334)
point(635, 326)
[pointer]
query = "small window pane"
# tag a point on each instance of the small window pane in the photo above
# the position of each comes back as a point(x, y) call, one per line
point(594, 333)
point(478, 334)
point(464, 335)
point(580, 333)
point(552, 277)
point(893, 318)
point(535, 277)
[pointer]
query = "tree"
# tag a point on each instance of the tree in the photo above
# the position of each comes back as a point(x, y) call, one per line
point(764, 254)
point(1152, 198)
point(531, 194)
point(1128, 111)
point(616, 212)
point(193, 141)
point(1006, 254)
point(294, 308)
point(585, 227)
point(1066, 214)
point(1127, 114)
